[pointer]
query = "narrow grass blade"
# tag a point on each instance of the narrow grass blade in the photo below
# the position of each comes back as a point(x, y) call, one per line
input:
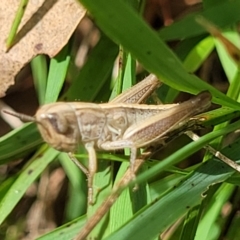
point(16, 22)
point(155, 56)
point(158, 216)
point(24, 180)
point(19, 142)
point(57, 74)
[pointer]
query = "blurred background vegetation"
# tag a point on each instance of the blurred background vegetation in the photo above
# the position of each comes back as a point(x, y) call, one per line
point(43, 195)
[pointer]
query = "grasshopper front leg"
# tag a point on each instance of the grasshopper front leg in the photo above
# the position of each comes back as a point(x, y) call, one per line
point(92, 169)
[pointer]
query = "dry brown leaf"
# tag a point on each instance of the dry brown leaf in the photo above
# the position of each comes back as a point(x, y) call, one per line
point(45, 28)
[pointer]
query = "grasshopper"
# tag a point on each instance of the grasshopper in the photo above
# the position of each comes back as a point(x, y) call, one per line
point(122, 123)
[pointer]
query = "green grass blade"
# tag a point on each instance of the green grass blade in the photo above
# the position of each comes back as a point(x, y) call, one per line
point(219, 115)
point(121, 210)
point(186, 151)
point(16, 22)
point(188, 27)
point(199, 54)
point(40, 71)
point(24, 180)
point(190, 224)
point(57, 74)
point(158, 216)
point(122, 61)
point(102, 181)
point(19, 142)
point(207, 223)
point(77, 202)
point(228, 64)
point(94, 74)
point(150, 50)
point(66, 231)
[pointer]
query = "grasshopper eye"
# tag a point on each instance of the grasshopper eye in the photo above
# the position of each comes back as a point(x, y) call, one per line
point(58, 123)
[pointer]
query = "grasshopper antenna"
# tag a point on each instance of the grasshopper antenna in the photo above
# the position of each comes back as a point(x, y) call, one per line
point(21, 116)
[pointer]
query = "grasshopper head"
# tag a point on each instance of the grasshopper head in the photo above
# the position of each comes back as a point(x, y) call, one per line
point(57, 125)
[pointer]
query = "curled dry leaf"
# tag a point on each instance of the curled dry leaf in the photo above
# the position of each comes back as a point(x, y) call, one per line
point(45, 28)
